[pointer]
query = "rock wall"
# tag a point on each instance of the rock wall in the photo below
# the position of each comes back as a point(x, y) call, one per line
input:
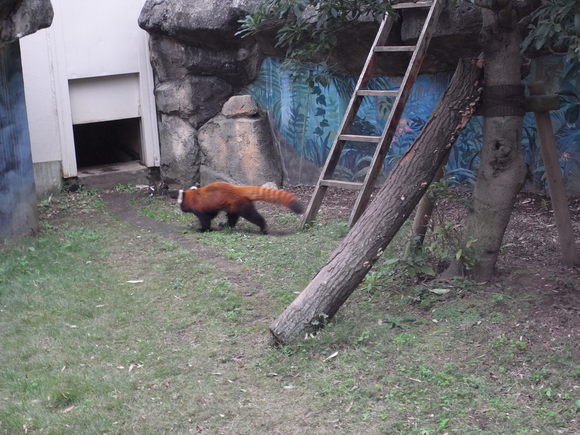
point(17, 191)
point(236, 146)
point(199, 63)
point(19, 18)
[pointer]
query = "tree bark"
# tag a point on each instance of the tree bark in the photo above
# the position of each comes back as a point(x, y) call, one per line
point(423, 217)
point(404, 187)
point(502, 169)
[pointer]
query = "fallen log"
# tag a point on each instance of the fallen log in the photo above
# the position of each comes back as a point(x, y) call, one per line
point(402, 190)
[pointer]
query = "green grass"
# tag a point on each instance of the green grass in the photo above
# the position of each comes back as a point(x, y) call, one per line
point(109, 329)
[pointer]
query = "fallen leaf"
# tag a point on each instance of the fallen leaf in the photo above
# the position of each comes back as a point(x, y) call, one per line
point(70, 408)
point(331, 356)
point(439, 291)
point(135, 281)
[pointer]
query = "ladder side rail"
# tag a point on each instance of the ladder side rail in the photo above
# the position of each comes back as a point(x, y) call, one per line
point(397, 110)
point(352, 108)
point(355, 102)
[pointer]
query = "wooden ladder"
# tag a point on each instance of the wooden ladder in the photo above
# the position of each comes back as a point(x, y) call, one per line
point(401, 95)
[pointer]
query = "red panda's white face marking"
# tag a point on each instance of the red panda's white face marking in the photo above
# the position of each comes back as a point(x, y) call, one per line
point(181, 195)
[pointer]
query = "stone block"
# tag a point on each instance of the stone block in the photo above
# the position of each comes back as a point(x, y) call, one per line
point(239, 106)
point(239, 150)
point(180, 158)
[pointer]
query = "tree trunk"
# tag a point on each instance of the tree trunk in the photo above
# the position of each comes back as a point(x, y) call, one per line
point(423, 217)
point(502, 169)
point(407, 182)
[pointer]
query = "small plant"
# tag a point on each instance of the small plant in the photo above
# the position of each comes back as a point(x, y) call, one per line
point(418, 266)
point(446, 245)
point(496, 299)
point(128, 188)
point(234, 314)
point(443, 423)
point(404, 338)
point(363, 337)
point(511, 345)
point(398, 322)
point(317, 324)
point(540, 375)
point(371, 283)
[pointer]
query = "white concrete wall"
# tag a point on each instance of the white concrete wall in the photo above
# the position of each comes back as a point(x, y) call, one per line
point(91, 65)
point(106, 36)
point(41, 106)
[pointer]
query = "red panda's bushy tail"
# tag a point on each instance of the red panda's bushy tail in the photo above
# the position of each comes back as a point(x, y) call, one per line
point(273, 196)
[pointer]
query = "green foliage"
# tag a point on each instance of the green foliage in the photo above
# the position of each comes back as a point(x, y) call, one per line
point(555, 26)
point(446, 245)
point(308, 28)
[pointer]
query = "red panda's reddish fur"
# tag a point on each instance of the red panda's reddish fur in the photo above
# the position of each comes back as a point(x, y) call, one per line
point(206, 202)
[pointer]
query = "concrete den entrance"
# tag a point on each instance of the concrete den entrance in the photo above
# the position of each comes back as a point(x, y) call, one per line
point(109, 153)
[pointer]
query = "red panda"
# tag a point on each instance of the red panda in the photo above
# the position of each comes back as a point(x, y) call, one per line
point(206, 202)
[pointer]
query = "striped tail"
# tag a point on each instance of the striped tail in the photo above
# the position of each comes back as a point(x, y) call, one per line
point(273, 196)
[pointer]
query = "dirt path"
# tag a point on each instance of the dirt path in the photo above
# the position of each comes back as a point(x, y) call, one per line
point(238, 274)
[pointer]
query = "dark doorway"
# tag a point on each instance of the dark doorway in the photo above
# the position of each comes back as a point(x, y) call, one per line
point(109, 142)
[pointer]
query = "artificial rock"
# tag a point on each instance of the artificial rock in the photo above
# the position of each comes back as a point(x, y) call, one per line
point(19, 18)
point(199, 62)
point(239, 149)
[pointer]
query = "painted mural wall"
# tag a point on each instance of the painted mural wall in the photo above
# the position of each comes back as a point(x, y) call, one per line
point(306, 119)
point(17, 192)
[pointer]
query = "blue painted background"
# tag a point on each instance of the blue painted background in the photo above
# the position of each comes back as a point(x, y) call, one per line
point(306, 120)
point(17, 192)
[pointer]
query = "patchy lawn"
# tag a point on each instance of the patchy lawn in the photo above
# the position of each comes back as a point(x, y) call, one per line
point(119, 318)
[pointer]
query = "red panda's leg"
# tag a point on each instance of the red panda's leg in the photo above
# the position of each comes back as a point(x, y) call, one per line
point(205, 220)
point(232, 219)
point(250, 213)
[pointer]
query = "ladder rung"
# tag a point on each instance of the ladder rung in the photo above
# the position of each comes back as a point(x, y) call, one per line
point(342, 184)
point(376, 93)
point(359, 138)
point(408, 5)
point(391, 48)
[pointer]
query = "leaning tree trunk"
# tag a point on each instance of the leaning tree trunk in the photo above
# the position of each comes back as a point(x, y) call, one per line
point(407, 182)
point(502, 169)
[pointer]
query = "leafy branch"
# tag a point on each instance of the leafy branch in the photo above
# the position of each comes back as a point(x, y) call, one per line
point(555, 25)
point(308, 29)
